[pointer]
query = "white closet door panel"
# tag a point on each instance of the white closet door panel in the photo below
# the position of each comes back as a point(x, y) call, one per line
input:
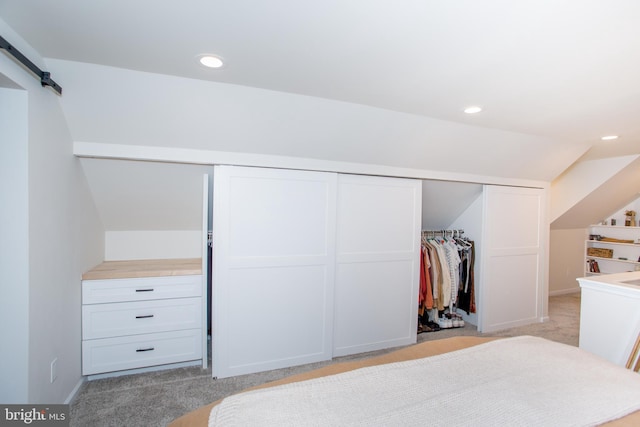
point(376, 215)
point(382, 315)
point(514, 250)
point(283, 313)
point(278, 216)
point(274, 268)
point(378, 240)
point(517, 300)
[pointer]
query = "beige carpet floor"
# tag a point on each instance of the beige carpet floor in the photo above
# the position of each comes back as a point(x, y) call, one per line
point(157, 398)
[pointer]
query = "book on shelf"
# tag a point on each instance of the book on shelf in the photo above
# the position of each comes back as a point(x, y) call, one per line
point(593, 266)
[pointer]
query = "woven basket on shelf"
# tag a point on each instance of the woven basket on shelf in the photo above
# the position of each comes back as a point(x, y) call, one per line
point(600, 252)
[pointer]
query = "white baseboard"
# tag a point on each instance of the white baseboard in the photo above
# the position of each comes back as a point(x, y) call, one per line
point(74, 392)
point(564, 292)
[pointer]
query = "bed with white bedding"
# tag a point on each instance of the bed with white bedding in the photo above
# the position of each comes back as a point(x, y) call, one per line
point(455, 381)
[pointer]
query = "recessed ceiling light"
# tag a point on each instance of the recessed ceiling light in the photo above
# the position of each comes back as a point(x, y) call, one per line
point(211, 61)
point(609, 137)
point(472, 110)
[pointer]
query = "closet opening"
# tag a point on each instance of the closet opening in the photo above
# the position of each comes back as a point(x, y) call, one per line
point(451, 223)
point(447, 280)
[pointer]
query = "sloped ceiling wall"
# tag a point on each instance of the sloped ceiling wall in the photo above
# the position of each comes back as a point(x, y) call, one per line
point(110, 105)
point(133, 195)
point(139, 196)
point(116, 106)
point(610, 195)
point(443, 202)
point(577, 184)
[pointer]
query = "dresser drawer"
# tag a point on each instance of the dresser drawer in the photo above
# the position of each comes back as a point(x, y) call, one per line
point(116, 354)
point(140, 289)
point(140, 317)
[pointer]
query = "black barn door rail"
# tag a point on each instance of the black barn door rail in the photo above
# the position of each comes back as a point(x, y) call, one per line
point(45, 77)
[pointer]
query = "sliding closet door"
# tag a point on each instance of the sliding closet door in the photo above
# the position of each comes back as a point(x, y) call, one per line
point(377, 271)
point(273, 268)
point(513, 288)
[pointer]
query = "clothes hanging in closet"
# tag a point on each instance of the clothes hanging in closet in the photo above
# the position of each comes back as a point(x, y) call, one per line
point(446, 273)
point(466, 293)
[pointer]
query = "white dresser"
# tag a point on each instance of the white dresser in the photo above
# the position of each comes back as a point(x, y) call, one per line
point(610, 314)
point(139, 314)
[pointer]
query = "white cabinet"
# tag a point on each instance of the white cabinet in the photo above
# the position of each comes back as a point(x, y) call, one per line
point(139, 351)
point(611, 249)
point(140, 317)
point(610, 315)
point(139, 322)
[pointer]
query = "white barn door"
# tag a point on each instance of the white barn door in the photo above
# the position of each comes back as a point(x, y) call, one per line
point(273, 268)
point(377, 263)
point(513, 288)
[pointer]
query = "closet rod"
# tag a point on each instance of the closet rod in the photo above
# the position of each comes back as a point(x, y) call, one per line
point(458, 231)
point(45, 77)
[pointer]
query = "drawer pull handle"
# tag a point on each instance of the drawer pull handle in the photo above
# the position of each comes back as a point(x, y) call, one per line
point(140, 350)
point(144, 290)
point(146, 316)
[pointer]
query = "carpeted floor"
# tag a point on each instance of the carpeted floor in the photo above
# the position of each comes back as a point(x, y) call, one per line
point(157, 398)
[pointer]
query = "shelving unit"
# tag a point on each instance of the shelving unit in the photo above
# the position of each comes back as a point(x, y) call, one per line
point(625, 256)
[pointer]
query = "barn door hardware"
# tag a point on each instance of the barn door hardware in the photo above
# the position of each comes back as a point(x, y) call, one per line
point(45, 77)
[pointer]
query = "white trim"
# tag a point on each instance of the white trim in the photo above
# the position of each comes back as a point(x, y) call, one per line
point(209, 157)
point(564, 292)
point(74, 392)
point(629, 291)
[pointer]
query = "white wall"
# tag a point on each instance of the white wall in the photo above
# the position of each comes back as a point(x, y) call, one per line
point(620, 217)
point(58, 208)
point(14, 249)
point(150, 210)
point(152, 244)
point(65, 237)
point(566, 260)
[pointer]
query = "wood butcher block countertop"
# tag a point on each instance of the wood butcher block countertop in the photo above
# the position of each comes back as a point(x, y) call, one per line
point(144, 268)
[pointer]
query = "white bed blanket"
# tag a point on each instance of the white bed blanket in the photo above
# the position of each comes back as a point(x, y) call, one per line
point(521, 381)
